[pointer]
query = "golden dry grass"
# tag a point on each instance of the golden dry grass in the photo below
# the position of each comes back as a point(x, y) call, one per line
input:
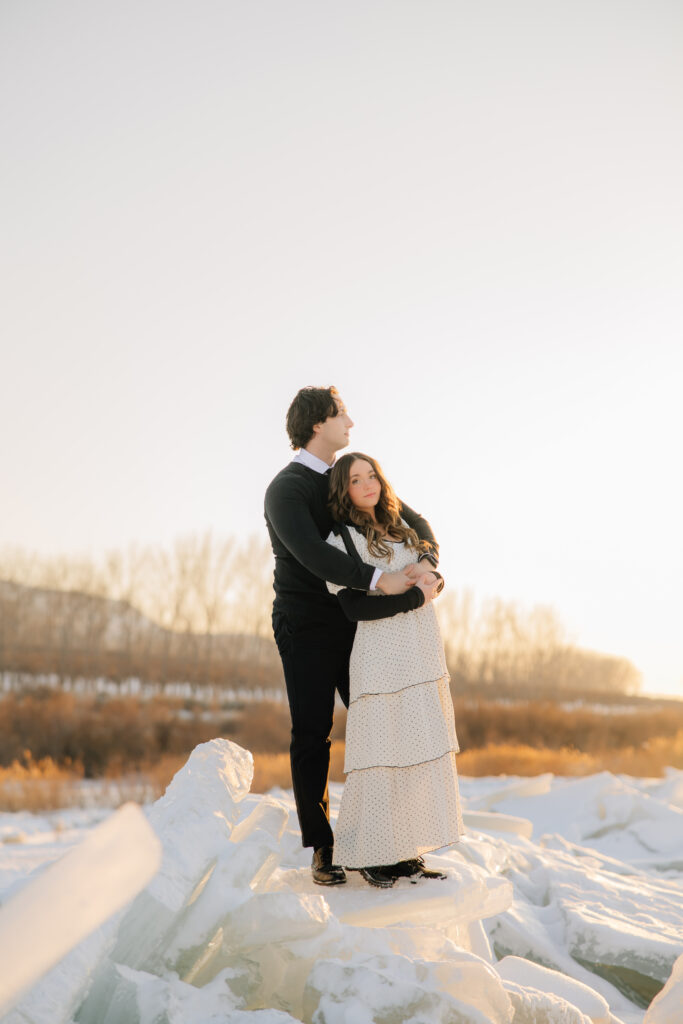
point(29, 785)
point(554, 726)
point(273, 769)
point(519, 759)
point(43, 784)
point(509, 759)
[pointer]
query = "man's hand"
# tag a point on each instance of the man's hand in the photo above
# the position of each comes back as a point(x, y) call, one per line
point(419, 569)
point(394, 582)
point(429, 585)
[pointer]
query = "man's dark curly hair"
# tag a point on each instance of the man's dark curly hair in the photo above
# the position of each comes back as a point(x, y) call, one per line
point(310, 406)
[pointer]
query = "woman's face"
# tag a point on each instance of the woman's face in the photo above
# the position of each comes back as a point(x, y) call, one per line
point(364, 487)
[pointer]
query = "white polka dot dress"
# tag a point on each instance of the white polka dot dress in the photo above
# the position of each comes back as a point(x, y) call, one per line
point(401, 797)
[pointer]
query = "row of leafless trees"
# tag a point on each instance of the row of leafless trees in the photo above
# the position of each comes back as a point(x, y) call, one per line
point(199, 611)
point(200, 584)
point(501, 646)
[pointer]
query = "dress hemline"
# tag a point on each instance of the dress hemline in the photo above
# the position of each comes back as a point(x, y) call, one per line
point(409, 856)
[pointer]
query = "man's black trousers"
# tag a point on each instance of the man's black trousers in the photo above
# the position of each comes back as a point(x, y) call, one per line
point(315, 658)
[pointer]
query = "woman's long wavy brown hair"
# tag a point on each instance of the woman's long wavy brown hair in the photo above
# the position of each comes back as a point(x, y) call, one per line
point(387, 509)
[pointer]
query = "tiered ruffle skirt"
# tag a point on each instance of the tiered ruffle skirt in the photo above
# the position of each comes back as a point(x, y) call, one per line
point(401, 797)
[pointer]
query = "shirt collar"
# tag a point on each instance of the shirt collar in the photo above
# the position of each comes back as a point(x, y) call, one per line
point(312, 461)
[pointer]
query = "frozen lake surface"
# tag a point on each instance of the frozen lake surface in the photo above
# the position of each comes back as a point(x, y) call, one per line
point(563, 905)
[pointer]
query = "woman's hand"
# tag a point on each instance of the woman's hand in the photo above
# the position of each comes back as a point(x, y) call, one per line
point(394, 582)
point(418, 569)
point(428, 583)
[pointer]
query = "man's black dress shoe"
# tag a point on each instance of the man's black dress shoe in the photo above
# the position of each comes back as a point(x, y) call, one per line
point(323, 870)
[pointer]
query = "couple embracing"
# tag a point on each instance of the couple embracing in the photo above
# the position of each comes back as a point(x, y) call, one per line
point(355, 577)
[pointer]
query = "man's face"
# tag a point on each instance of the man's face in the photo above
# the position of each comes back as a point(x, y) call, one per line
point(334, 431)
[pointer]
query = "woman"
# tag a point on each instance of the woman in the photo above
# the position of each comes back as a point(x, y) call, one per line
point(401, 796)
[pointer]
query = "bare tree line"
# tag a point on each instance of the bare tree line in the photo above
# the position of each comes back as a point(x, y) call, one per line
point(200, 584)
point(199, 611)
point(499, 645)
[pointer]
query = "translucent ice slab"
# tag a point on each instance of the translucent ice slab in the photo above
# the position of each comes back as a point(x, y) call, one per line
point(50, 915)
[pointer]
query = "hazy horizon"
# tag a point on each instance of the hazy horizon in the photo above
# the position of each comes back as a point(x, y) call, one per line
point(469, 219)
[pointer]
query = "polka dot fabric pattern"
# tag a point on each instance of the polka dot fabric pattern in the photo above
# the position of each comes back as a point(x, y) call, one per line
point(392, 814)
point(378, 726)
point(391, 654)
point(401, 797)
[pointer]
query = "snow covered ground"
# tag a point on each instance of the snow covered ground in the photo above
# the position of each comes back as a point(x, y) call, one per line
point(563, 905)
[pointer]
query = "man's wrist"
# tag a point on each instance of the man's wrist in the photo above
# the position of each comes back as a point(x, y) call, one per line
point(376, 577)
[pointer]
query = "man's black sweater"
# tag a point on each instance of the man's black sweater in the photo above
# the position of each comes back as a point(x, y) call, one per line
point(299, 522)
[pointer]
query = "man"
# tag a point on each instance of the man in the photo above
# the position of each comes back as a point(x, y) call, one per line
point(313, 635)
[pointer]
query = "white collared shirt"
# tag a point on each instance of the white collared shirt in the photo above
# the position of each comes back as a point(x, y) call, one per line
point(312, 461)
point(319, 466)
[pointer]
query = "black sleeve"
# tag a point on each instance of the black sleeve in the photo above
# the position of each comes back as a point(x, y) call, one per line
point(361, 607)
point(424, 531)
point(289, 513)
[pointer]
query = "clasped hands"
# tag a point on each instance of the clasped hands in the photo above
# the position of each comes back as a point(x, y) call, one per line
point(419, 575)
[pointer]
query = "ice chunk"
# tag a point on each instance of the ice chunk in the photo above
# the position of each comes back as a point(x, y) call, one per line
point(268, 818)
point(276, 917)
point(531, 975)
point(477, 941)
point(483, 822)
point(194, 821)
point(589, 858)
point(136, 997)
point(532, 1006)
point(55, 998)
point(569, 913)
point(67, 901)
point(667, 1007)
point(197, 933)
point(624, 929)
point(670, 789)
point(285, 968)
point(394, 989)
point(199, 807)
point(468, 894)
point(490, 853)
point(279, 935)
point(483, 798)
point(609, 814)
point(224, 923)
point(235, 930)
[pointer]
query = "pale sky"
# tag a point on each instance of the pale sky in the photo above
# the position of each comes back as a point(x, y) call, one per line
point(467, 216)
